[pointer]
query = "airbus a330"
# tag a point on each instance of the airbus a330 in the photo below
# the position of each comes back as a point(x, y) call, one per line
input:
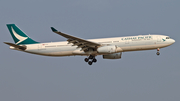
point(109, 48)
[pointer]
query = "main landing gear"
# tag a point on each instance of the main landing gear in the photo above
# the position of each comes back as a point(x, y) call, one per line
point(92, 58)
point(158, 52)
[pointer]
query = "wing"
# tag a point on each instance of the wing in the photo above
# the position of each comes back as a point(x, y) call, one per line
point(81, 43)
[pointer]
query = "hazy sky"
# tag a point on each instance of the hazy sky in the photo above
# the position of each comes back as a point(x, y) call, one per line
point(138, 76)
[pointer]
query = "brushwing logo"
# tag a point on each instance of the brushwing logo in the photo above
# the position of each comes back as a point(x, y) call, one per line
point(20, 38)
point(163, 39)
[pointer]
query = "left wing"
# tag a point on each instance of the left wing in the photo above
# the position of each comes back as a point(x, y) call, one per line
point(81, 43)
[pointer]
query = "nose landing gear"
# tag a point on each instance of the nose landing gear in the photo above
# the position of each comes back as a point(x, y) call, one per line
point(93, 59)
point(158, 53)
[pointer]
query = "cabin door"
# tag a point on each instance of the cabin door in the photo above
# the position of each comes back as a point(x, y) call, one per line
point(158, 39)
point(127, 42)
point(42, 47)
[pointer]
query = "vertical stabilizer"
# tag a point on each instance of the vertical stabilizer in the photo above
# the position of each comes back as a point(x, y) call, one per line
point(19, 36)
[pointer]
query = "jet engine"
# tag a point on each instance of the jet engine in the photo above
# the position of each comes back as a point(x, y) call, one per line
point(109, 49)
point(113, 56)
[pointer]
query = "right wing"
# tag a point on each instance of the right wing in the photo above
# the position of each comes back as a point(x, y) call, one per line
point(81, 43)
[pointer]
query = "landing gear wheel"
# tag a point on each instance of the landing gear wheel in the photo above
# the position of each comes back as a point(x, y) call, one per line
point(90, 62)
point(91, 57)
point(86, 59)
point(94, 60)
point(158, 53)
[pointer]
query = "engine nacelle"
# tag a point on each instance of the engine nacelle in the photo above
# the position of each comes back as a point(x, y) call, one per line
point(113, 56)
point(109, 49)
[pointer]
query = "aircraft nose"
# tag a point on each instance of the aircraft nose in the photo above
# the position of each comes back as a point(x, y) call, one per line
point(173, 41)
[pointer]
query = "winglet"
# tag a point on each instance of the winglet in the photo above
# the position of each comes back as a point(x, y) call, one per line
point(53, 29)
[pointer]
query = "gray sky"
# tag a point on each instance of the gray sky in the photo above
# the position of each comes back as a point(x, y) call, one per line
point(138, 76)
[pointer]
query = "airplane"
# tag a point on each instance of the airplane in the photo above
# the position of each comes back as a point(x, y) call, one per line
point(109, 48)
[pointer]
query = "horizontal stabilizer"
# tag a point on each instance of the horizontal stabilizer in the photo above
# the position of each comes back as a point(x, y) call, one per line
point(16, 46)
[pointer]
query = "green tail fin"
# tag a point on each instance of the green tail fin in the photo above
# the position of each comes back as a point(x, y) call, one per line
point(19, 36)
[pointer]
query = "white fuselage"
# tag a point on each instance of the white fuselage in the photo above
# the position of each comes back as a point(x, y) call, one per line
point(130, 43)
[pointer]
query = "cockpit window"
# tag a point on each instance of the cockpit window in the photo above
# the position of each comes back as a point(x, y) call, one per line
point(167, 37)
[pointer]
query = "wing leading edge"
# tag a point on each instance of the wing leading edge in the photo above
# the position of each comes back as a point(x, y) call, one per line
point(81, 43)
